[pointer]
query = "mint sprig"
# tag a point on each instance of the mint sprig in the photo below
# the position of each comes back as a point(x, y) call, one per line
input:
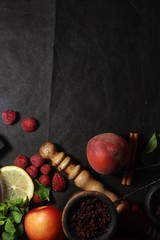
point(12, 215)
point(151, 153)
point(42, 191)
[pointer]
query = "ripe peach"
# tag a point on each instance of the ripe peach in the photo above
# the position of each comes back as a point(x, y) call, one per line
point(108, 153)
point(44, 223)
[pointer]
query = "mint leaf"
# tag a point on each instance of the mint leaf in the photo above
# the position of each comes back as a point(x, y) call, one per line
point(24, 207)
point(15, 202)
point(24, 210)
point(3, 208)
point(7, 236)
point(151, 153)
point(25, 203)
point(2, 217)
point(11, 218)
point(9, 227)
point(2, 222)
point(17, 215)
point(151, 145)
point(42, 191)
point(20, 230)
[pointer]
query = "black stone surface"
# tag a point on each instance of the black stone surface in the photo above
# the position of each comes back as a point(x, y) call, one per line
point(80, 68)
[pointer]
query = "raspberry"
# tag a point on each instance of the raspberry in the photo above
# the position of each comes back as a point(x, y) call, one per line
point(45, 180)
point(36, 160)
point(21, 161)
point(45, 169)
point(32, 171)
point(36, 198)
point(8, 116)
point(58, 182)
point(28, 124)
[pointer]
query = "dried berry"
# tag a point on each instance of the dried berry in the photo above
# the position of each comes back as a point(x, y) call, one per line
point(9, 116)
point(21, 161)
point(90, 218)
point(45, 180)
point(58, 182)
point(36, 160)
point(28, 124)
point(32, 171)
point(45, 169)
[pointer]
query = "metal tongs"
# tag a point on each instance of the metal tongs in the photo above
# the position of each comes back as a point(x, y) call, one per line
point(136, 191)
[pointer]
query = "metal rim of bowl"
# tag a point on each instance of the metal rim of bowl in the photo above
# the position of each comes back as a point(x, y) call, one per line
point(84, 194)
point(148, 204)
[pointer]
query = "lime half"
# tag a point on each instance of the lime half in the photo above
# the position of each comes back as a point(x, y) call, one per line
point(16, 183)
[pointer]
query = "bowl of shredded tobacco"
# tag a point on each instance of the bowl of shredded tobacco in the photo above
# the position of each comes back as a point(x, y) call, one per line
point(89, 215)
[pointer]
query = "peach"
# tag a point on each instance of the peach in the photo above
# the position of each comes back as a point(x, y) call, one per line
point(108, 153)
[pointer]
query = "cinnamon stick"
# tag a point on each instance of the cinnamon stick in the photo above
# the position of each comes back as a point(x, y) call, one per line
point(131, 170)
point(128, 175)
point(129, 162)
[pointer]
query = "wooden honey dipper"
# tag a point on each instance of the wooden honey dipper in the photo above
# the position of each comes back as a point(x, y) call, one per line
point(82, 178)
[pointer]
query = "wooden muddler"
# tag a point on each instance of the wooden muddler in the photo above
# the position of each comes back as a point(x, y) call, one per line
point(82, 178)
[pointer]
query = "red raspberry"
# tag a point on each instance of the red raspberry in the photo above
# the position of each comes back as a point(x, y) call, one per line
point(45, 180)
point(8, 116)
point(32, 171)
point(21, 161)
point(36, 198)
point(36, 160)
point(28, 124)
point(45, 169)
point(58, 182)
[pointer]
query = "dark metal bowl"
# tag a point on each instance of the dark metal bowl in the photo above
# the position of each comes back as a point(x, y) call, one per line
point(69, 232)
point(152, 201)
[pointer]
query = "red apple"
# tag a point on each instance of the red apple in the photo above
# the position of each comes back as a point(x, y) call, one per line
point(108, 153)
point(44, 223)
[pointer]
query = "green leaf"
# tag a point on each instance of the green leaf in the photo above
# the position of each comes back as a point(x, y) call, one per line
point(15, 202)
point(11, 218)
point(17, 216)
point(151, 145)
point(25, 203)
point(20, 230)
point(2, 222)
point(9, 227)
point(2, 217)
point(7, 236)
point(3, 208)
point(24, 210)
point(151, 153)
point(42, 191)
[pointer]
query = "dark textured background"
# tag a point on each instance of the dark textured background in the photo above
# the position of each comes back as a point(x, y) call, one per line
point(80, 68)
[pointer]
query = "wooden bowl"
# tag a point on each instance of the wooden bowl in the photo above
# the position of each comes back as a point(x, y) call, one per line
point(151, 203)
point(73, 202)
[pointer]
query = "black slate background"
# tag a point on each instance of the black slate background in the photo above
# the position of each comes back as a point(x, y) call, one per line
point(80, 68)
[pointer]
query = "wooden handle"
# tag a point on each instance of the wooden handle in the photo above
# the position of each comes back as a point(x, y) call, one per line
point(82, 178)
